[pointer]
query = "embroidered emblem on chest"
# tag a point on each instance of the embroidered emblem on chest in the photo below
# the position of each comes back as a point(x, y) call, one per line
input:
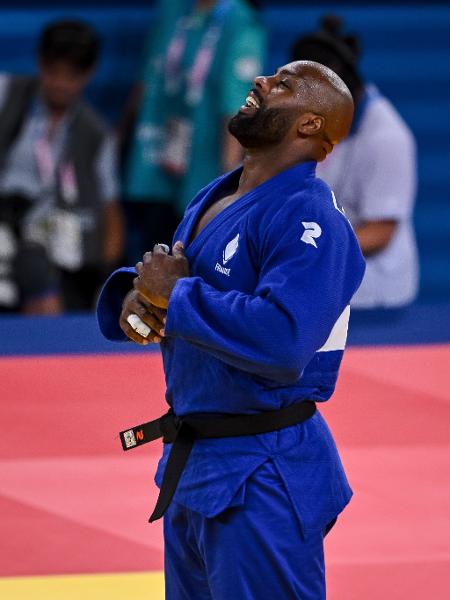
point(230, 249)
point(228, 253)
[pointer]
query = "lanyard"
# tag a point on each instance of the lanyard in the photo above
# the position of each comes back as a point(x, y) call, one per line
point(50, 168)
point(45, 161)
point(198, 73)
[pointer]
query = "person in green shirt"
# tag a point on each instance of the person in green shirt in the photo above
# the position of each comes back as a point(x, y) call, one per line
point(198, 73)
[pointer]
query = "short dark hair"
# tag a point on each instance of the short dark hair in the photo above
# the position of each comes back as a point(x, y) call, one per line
point(70, 41)
point(331, 47)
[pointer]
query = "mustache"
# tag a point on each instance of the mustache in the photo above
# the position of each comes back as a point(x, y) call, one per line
point(256, 93)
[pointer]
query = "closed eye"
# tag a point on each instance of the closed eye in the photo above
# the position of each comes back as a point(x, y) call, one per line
point(283, 83)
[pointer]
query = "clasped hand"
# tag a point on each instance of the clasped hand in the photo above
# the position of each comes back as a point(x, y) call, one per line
point(157, 275)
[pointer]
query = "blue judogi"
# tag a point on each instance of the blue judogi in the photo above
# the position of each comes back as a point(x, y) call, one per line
point(261, 323)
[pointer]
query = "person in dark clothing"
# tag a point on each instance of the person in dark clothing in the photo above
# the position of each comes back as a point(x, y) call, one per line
point(58, 160)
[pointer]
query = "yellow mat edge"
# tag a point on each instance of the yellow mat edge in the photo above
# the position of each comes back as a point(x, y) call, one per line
point(111, 586)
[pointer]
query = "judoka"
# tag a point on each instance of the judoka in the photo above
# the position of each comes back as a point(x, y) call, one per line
point(251, 310)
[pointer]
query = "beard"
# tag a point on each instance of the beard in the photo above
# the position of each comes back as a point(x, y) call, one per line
point(266, 127)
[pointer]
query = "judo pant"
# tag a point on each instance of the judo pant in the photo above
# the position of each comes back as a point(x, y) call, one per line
point(253, 551)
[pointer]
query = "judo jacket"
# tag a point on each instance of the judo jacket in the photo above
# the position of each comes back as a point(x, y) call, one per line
point(260, 323)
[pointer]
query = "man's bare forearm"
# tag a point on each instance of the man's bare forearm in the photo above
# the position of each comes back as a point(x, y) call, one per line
point(374, 236)
point(114, 233)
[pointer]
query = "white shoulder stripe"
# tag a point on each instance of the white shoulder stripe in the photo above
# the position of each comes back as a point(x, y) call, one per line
point(336, 206)
point(338, 336)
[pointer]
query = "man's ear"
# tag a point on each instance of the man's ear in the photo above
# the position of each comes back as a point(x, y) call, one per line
point(310, 124)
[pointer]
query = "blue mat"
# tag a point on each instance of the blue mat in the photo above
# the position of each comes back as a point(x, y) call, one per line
point(79, 334)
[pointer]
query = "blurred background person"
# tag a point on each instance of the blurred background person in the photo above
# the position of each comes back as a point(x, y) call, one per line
point(28, 281)
point(372, 173)
point(202, 66)
point(58, 169)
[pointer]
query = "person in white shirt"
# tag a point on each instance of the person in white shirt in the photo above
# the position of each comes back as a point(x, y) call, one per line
point(372, 173)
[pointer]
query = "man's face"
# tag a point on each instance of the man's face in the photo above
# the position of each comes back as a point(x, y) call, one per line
point(270, 110)
point(61, 84)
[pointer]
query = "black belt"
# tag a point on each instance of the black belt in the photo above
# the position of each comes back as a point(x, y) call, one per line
point(183, 431)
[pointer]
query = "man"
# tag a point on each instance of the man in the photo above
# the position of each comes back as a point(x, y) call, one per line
point(256, 322)
point(57, 161)
point(373, 174)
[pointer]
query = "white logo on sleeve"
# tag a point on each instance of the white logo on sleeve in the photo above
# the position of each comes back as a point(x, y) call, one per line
point(227, 254)
point(311, 233)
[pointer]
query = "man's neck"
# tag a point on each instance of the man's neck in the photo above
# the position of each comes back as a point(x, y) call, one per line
point(56, 114)
point(261, 165)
